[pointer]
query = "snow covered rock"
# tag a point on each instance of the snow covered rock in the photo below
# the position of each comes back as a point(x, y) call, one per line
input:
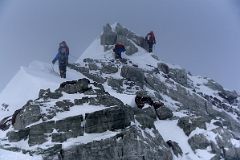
point(132, 74)
point(199, 141)
point(188, 124)
point(109, 119)
point(130, 144)
point(175, 147)
point(108, 37)
point(124, 36)
point(164, 113)
point(163, 67)
point(179, 75)
point(29, 114)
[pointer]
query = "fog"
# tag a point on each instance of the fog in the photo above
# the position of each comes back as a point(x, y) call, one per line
point(201, 36)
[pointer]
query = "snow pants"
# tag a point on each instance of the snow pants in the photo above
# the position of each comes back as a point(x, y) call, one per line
point(150, 47)
point(62, 70)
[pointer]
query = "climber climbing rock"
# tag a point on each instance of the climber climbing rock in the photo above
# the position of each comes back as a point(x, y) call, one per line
point(150, 38)
point(118, 49)
point(62, 57)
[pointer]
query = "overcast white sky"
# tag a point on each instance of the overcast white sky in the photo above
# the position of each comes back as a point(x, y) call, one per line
point(202, 36)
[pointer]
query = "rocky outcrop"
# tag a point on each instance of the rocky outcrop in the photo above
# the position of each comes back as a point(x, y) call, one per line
point(109, 119)
point(109, 69)
point(46, 94)
point(64, 129)
point(179, 75)
point(163, 67)
point(77, 86)
point(199, 141)
point(164, 113)
point(29, 114)
point(145, 120)
point(15, 136)
point(116, 84)
point(111, 36)
point(188, 124)
point(108, 37)
point(5, 123)
point(132, 74)
point(231, 97)
point(130, 144)
point(175, 148)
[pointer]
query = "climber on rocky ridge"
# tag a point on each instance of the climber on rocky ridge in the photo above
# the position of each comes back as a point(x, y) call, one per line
point(62, 57)
point(118, 49)
point(150, 38)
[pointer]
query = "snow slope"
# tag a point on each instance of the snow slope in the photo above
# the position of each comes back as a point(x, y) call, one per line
point(25, 85)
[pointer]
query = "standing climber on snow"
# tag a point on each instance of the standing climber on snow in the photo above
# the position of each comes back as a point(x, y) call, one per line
point(150, 38)
point(62, 57)
point(118, 49)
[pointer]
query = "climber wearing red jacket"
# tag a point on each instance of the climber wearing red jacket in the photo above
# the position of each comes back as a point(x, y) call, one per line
point(150, 38)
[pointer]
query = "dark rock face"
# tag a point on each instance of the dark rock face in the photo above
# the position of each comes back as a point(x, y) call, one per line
point(150, 111)
point(64, 105)
point(106, 100)
point(145, 120)
point(175, 147)
point(164, 113)
point(229, 96)
point(199, 141)
point(45, 94)
point(92, 66)
point(232, 154)
point(78, 86)
point(189, 124)
point(29, 114)
point(124, 36)
point(18, 135)
point(66, 128)
point(179, 75)
point(5, 123)
point(116, 84)
point(163, 67)
point(108, 37)
point(128, 145)
point(39, 133)
point(132, 74)
point(108, 119)
point(109, 69)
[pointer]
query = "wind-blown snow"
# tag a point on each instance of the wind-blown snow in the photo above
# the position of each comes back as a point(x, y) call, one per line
point(25, 85)
point(170, 131)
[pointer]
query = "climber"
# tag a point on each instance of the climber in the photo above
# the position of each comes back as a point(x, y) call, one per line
point(118, 49)
point(62, 57)
point(150, 38)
